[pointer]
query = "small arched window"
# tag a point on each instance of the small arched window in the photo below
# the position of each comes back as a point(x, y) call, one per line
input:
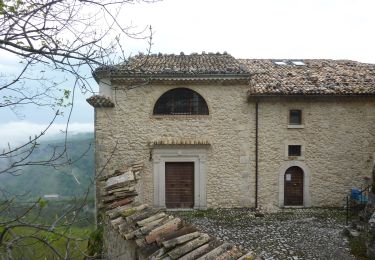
point(181, 101)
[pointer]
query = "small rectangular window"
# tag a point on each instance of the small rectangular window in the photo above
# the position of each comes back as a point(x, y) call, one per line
point(294, 150)
point(280, 63)
point(295, 117)
point(298, 63)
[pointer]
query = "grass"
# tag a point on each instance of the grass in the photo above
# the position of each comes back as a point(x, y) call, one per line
point(31, 247)
point(358, 247)
point(32, 243)
point(95, 243)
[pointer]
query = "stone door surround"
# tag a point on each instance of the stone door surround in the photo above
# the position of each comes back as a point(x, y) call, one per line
point(306, 182)
point(179, 153)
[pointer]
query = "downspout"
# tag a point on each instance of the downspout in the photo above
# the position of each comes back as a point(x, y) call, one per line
point(256, 153)
point(95, 168)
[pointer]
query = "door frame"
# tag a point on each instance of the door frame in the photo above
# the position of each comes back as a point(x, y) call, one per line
point(293, 191)
point(177, 174)
point(164, 154)
point(306, 182)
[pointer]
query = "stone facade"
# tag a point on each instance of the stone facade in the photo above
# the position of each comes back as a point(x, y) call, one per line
point(337, 139)
point(129, 127)
point(337, 100)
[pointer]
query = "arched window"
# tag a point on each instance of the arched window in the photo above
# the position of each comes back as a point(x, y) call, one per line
point(181, 101)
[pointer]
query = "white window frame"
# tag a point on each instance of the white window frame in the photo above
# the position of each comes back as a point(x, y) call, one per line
point(302, 119)
point(286, 148)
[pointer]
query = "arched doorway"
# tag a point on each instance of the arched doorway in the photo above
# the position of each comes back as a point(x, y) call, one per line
point(293, 186)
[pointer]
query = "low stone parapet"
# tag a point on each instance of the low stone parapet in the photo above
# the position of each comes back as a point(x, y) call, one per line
point(138, 231)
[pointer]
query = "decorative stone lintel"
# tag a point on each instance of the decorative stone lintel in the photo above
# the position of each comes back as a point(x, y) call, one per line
point(179, 141)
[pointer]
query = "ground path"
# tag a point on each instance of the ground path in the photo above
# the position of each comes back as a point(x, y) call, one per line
point(285, 234)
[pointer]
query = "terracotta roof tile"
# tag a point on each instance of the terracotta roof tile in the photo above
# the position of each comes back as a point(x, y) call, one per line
point(186, 65)
point(267, 77)
point(156, 234)
point(314, 77)
point(100, 101)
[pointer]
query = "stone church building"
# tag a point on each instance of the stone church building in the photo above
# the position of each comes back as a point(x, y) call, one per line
point(215, 131)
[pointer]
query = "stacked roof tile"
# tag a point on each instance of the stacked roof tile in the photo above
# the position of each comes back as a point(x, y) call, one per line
point(156, 234)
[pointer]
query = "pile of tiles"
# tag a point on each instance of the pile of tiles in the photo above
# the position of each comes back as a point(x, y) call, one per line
point(118, 189)
point(156, 234)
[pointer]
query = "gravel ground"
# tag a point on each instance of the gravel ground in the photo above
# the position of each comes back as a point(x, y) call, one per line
point(286, 234)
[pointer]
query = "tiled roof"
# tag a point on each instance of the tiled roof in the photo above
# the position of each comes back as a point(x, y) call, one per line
point(156, 234)
point(100, 101)
point(310, 77)
point(267, 77)
point(183, 65)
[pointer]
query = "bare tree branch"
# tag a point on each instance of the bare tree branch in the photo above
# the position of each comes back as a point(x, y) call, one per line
point(69, 38)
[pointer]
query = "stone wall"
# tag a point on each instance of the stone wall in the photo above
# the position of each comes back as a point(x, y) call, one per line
point(337, 138)
point(130, 126)
point(338, 145)
point(116, 247)
point(137, 231)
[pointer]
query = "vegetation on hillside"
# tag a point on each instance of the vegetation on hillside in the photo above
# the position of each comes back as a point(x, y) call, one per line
point(67, 180)
point(42, 227)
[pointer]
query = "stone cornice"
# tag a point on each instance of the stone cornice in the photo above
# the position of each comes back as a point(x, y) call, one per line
point(98, 101)
point(232, 79)
point(179, 141)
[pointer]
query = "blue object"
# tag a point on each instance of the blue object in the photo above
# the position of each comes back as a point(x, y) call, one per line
point(355, 194)
point(363, 198)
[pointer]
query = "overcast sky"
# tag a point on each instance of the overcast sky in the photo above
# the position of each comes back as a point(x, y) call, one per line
point(339, 29)
point(333, 29)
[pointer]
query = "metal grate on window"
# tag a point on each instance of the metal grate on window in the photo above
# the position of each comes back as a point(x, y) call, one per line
point(295, 117)
point(294, 150)
point(181, 101)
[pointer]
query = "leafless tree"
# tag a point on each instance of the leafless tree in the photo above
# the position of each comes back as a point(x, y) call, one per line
point(69, 37)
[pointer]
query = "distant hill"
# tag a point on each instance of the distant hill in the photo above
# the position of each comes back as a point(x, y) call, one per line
point(67, 181)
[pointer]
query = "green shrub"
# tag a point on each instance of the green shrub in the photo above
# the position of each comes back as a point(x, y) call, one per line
point(358, 247)
point(95, 243)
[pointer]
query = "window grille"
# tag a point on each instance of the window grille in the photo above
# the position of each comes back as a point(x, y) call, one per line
point(294, 150)
point(181, 101)
point(295, 117)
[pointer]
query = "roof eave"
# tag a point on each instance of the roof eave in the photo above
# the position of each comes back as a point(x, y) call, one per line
point(253, 96)
point(181, 79)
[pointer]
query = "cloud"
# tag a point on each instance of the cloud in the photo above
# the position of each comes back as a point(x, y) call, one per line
point(336, 29)
point(16, 133)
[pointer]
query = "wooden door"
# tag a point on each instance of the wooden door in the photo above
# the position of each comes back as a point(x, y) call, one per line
point(179, 184)
point(293, 187)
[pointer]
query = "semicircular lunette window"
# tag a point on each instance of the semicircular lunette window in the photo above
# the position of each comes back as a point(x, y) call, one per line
point(181, 101)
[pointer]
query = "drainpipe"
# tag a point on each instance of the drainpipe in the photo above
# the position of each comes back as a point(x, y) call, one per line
point(256, 153)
